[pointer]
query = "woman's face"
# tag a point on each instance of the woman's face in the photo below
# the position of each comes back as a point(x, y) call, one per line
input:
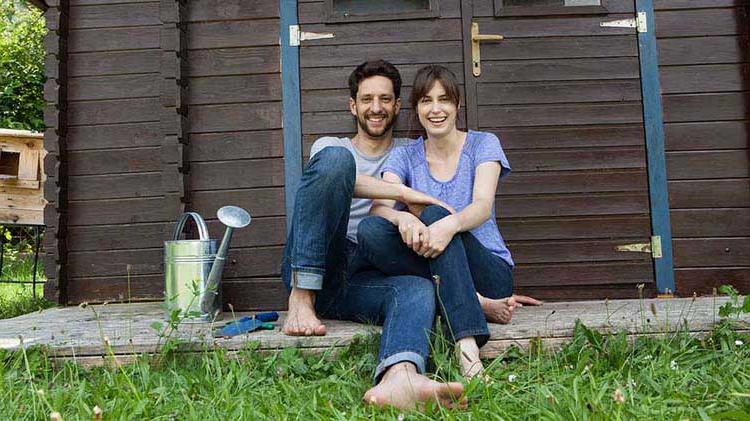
point(437, 113)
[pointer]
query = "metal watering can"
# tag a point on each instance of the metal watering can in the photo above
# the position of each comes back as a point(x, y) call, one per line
point(192, 268)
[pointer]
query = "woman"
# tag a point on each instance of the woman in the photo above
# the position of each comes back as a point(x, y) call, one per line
point(462, 251)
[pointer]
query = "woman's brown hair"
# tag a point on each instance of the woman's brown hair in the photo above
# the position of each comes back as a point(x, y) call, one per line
point(424, 81)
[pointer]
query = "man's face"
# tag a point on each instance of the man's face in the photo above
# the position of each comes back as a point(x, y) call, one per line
point(376, 106)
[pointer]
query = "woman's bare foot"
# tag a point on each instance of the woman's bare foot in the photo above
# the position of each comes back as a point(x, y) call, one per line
point(301, 319)
point(501, 310)
point(468, 357)
point(402, 387)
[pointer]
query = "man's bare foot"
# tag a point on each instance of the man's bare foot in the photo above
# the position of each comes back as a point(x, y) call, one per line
point(468, 357)
point(301, 319)
point(402, 387)
point(501, 310)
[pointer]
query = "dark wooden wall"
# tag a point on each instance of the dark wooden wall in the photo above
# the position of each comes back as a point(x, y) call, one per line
point(704, 64)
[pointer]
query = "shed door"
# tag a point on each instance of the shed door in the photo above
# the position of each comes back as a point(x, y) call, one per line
point(563, 93)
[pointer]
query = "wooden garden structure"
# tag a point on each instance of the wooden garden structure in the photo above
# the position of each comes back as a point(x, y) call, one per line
point(626, 123)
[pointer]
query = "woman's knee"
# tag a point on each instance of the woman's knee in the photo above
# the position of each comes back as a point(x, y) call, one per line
point(433, 213)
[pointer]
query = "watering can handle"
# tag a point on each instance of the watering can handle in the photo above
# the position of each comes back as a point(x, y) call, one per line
point(199, 222)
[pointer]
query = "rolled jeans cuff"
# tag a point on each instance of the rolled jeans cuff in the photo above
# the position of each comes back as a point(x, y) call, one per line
point(400, 357)
point(307, 280)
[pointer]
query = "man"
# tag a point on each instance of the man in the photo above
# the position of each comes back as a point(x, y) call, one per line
point(321, 267)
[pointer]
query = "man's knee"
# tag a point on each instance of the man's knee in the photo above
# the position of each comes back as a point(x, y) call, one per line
point(433, 213)
point(370, 228)
point(334, 163)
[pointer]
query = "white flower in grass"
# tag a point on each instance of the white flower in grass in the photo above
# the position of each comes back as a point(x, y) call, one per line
point(738, 342)
point(401, 417)
point(673, 365)
point(647, 358)
point(512, 378)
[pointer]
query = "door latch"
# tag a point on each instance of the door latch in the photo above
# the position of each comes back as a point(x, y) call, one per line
point(476, 38)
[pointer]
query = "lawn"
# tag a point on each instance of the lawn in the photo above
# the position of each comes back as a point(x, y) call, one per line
point(594, 377)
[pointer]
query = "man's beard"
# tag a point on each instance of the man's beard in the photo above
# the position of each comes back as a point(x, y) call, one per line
point(390, 120)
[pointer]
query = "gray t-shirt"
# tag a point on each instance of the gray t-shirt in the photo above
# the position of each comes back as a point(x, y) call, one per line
point(368, 165)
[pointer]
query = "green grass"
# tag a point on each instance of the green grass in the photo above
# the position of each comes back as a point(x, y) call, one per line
point(674, 377)
point(18, 299)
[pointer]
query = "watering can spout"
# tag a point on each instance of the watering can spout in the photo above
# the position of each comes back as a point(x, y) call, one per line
point(233, 217)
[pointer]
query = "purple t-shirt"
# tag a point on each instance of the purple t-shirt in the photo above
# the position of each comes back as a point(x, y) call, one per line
point(410, 164)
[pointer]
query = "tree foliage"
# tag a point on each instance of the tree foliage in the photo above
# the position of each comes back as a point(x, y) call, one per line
point(22, 31)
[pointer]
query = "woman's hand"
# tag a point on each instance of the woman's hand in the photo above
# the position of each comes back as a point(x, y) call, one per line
point(440, 234)
point(414, 233)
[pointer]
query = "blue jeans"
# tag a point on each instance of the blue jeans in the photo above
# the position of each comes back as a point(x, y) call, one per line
point(319, 257)
point(464, 268)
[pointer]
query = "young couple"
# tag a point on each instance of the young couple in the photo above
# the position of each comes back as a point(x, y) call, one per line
point(429, 245)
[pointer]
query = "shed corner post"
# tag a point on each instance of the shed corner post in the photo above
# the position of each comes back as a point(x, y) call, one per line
point(292, 125)
point(655, 147)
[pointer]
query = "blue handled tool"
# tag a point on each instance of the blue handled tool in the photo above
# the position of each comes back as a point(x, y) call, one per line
point(247, 324)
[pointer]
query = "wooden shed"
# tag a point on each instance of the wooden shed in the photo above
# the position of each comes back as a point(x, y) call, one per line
point(626, 123)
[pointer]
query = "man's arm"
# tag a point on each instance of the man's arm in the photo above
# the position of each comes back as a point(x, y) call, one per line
point(367, 187)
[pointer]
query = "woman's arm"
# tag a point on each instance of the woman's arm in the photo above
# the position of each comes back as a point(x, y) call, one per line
point(480, 210)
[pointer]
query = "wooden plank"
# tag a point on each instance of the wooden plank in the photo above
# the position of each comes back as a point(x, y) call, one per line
point(711, 222)
point(548, 251)
point(386, 32)
point(588, 274)
point(560, 70)
point(515, 229)
point(711, 252)
point(256, 294)
point(491, 116)
point(704, 281)
point(113, 87)
point(114, 161)
point(564, 137)
point(572, 182)
point(115, 262)
point(486, 7)
point(591, 292)
point(117, 288)
point(93, 2)
point(314, 12)
point(262, 232)
point(113, 136)
point(336, 77)
point(118, 237)
point(255, 262)
point(211, 10)
point(704, 78)
point(233, 145)
point(572, 205)
point(707, 135)
point(708, 164)
point(237, 174)
point(119, 211)
point(705, 107)
point(701, 23)
point(113, 15)
point(696, 4)
point(530, 27)
point(110, 112)
point(116, 186)
point(727, 193)
point(703, 50)
point(259, 202)
point(113, 63)
point(423, 52)
point(552, 92)
point(583, 159)
point(234, 61)
point(135, 38)
point(560, 48)
point(235, 117)
point(228, 89)
point(206, 35)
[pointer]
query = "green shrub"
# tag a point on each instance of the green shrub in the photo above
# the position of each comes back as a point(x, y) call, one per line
point(21, 66)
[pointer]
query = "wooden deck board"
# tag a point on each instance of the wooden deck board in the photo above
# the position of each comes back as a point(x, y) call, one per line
point(80, 333)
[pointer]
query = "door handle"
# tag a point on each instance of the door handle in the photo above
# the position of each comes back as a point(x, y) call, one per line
point(476, 38)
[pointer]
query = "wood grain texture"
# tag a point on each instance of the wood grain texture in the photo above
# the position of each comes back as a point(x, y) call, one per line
point(733, 222)
point(232, 89)
point(234, 117)
point(234, 61)
point(705, 78)
point(709, 193)
point(114, 15)
point(708, 164)
point(706, 135)
point(114, 161)
point(227, 34)
point(230, 145)
point(702, 50)
point(113, 87)
point(223, 10)
point(115, 186)
point(603, 227)
point(113, 63)
point(135, 38)
point(237, 174)
point(110, 111)
point(708, 22)
point(711, 252)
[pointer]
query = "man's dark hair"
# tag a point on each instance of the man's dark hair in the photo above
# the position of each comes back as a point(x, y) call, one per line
point(374, 68)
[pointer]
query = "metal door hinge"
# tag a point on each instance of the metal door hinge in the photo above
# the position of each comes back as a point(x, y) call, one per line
point(654, 247)
point(639, 22)
point(296, 36)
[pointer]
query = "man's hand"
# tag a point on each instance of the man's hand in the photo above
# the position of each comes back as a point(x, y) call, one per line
point(440, 234)
point(416, 201)
point(414, 233)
